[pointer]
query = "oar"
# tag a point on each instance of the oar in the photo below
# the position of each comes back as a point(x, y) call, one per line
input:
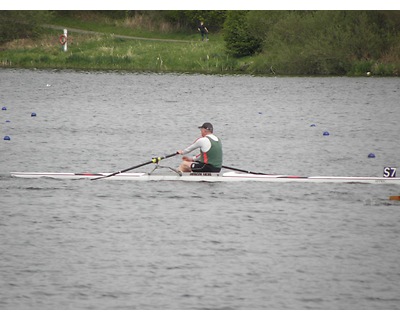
point(245, 171)
point(261, 173)
point(154, 160)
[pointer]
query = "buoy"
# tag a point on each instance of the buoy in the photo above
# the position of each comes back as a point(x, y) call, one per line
point(4, 108)
point(368, 73)
point(8, 121)
point(326, 133)
point(7, 138)
point(371, 155)
point(313, 125)
point(394, 198)
point(33, 114)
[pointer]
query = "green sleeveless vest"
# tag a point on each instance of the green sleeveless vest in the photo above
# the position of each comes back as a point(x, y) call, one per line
point(214, 155)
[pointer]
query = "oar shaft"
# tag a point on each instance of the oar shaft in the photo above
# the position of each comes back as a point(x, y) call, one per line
point(154, 160)
point(241, 170)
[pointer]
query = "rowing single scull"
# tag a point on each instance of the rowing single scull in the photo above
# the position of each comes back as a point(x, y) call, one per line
point(208, 177)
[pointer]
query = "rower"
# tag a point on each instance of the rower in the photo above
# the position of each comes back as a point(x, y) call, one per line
point(210, 157)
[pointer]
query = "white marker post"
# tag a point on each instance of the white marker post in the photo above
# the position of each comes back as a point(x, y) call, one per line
point(65, 37)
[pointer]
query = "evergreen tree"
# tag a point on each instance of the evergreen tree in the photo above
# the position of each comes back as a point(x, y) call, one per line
point(239, 40)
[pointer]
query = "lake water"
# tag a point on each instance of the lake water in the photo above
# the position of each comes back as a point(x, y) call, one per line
point(173, 245)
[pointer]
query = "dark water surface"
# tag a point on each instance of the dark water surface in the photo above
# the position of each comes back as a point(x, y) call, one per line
point(175, 245)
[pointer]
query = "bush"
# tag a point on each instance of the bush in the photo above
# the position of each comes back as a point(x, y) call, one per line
point(327, 42)
point(21, 24)
point(239, 41)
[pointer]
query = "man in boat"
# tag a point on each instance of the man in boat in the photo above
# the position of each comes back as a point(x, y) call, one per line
point(210, 157)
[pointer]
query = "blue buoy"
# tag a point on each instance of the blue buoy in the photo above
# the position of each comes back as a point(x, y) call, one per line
point(7, 138)
point(8, 121)
point(4, 108)
point(313, 125)
point(371, 155)
point(33, 114)
point(326, 133)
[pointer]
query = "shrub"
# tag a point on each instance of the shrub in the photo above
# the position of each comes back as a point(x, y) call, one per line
point(21, 24)
point(238, 39)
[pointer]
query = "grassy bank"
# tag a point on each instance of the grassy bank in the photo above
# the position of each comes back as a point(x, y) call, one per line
point(109, 52)
point(114, 47)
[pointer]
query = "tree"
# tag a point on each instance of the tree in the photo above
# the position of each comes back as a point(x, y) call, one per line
point(214, 19)
point(239, 40)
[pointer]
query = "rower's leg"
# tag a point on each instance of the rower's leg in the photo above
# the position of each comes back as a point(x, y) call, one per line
point(185, 166)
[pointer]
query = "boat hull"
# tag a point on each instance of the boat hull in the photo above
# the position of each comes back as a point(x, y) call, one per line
point(207, 177)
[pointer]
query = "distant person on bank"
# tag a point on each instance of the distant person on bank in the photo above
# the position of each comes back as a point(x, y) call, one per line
point(203, 30)
point(210, 157)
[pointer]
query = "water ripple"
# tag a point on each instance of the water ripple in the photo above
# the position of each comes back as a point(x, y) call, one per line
point(167, 245)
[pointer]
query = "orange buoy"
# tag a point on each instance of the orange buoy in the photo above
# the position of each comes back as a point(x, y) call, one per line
point(394, 198)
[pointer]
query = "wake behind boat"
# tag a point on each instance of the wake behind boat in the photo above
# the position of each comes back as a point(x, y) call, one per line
point(230, 176)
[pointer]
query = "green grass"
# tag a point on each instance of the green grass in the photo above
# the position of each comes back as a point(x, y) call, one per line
point(109, 27)
point(107, 52)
